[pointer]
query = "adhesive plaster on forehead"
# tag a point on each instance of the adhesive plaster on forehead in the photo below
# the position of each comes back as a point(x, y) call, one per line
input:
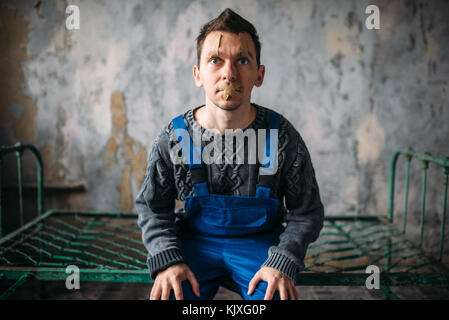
point(218, 41)
point(230, 89)
point(243, 45)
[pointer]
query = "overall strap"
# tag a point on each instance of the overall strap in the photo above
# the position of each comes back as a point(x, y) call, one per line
point(268, 167)
point(192, 155)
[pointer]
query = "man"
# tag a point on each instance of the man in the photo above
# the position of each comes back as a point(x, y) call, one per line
point(235, 223)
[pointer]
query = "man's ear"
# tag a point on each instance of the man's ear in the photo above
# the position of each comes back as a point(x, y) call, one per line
point(196, 76)
point(260, 76)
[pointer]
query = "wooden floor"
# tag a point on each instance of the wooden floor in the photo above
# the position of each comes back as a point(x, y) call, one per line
point(56, 290)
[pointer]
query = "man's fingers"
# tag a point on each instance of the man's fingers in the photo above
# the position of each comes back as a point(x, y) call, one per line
point(270, 292)
point(193, 283)
point(165, 292)
point(253, 283)
point(155, 292)
point(292, 291)
point(178, 290)
point(283, 292)
point(150, 296)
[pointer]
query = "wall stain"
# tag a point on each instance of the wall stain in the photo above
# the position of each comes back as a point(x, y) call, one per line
point(14, 40)
point(431, 52)
point(109, 154)
point(123, 150)
point(47, 154)
point(343, 40)
point(352, 190)
point(54, 155)
point(370, 140)
point(38, 6)
point(380, 189)
point(126, 199)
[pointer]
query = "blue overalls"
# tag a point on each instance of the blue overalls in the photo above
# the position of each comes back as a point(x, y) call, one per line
point(223, 235)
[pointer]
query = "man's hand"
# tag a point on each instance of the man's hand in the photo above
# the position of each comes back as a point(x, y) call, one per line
point(171, 278)
point(276, 281)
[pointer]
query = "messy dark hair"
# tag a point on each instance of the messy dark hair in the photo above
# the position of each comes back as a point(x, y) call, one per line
point(230, 21)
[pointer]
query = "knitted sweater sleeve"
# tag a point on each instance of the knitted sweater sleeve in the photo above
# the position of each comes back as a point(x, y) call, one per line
point(305, 212)
point(155, 204)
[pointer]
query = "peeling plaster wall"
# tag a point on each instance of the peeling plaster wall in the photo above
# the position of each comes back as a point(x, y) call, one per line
point(93, 100)
point(17, 109)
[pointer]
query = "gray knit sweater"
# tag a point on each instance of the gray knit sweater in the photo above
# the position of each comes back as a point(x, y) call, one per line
point(295, 186)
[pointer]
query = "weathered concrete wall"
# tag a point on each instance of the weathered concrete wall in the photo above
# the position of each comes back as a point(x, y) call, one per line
point(92, 100)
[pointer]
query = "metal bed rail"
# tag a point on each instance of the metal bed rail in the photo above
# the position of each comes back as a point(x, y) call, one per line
point(108, 248)
point(19, 149)
point(425, 159)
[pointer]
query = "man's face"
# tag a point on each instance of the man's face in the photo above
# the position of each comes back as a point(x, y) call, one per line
point(228, 69)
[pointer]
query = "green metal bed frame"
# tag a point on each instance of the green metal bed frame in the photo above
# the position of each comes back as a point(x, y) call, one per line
point(107, 246)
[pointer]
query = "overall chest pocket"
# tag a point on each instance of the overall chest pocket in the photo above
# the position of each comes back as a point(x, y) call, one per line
point(240, 217)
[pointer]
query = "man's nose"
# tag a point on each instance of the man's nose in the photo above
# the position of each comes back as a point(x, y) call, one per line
point(229, 72)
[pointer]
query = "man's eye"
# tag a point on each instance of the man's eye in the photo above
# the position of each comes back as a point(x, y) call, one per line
point(243, 61)
point(213, 60)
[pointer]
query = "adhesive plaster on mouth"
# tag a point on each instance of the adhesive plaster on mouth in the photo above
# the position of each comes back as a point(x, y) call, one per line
point(229, 89)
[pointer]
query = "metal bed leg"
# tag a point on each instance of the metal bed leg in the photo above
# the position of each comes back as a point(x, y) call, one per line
point(15, 285)
point(388, 293)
